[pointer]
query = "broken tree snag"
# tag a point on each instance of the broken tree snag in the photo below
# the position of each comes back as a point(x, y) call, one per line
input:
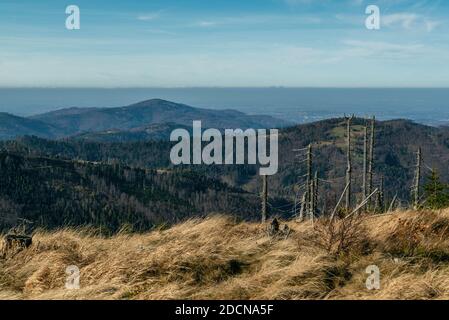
point(274, 227)
point(275, 230)
point(285, 232)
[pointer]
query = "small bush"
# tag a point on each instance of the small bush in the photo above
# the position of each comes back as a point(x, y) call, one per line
point(341, 236)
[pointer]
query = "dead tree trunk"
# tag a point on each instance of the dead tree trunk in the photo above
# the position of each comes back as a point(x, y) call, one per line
point(349, 164)
point(371, 160)
point(313, 196)
point(339, 201)
point(381, 196)
point(311, 208)
point(303, 207)
point(365, 161)
point(264, 198)
point(315, 192)
point(391, 207)
point(309, 181)
point(417, 180)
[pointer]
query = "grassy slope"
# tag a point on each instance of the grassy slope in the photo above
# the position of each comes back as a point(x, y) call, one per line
point(219, 259)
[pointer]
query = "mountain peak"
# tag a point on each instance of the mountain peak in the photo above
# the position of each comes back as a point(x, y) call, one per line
point(154, 102)
point(74, 121)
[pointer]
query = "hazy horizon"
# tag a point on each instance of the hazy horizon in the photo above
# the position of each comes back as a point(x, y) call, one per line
point(425, 105)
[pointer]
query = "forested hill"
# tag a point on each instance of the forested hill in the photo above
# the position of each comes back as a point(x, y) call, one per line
point(396, 143)
point(54, 193)
point(134, 182)
point(147, 119)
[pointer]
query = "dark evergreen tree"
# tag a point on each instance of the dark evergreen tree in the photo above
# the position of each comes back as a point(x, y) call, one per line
point(436, 193)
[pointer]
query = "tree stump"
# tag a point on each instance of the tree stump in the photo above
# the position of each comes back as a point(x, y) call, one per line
point(286, 231)
point(16, 242)
point(274, 227)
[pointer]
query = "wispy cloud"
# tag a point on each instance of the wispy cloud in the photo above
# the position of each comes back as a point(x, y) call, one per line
point(401, 20)
point(432, 24)
point(409, 20)
point(206, 24)
point(149, 16)
point(322, 2)
point(405, 19)
point(383, 50)
point(258, 20)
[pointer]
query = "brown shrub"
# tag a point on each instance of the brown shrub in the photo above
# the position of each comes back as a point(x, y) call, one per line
point(342, 236)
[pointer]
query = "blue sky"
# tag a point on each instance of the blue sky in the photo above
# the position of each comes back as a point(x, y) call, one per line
point(231, 43)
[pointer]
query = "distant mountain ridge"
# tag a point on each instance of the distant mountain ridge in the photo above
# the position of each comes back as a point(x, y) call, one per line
point(12, 126)
point(134, 118)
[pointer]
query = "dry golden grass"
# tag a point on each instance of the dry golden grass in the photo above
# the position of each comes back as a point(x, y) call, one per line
point(216, 258)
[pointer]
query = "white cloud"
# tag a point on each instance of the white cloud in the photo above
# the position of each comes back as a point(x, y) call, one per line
point(321, 2)
point(357, 2)
point(400, 20)
point(431, 25)
point(357, 63)
point(206, 24)
point(408, 20)
point(383, 50)
point(259, 19)
point(404, 19)
point(149, 16)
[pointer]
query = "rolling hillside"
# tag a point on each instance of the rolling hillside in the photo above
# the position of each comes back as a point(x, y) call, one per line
point(157, 131)
point(395, 156)
point(12, 126)
point(54, 193)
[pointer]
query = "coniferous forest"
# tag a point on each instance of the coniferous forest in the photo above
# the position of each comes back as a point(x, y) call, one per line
point(109, 184)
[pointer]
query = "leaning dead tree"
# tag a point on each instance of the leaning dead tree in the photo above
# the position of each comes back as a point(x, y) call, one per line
point(392, 204)
point(338, 202)
point(361, 205)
